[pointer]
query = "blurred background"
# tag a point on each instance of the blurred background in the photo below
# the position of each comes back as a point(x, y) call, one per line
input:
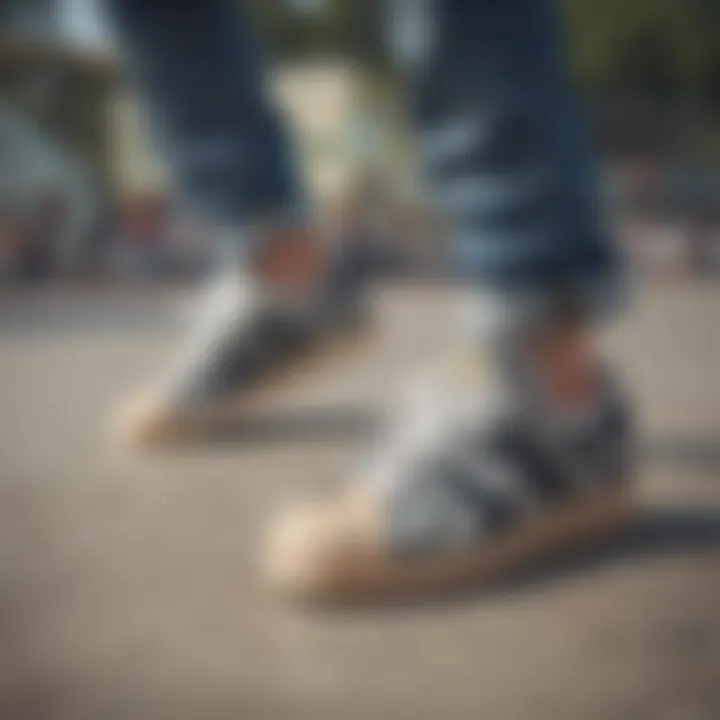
point(128, 584)
point(84, 193)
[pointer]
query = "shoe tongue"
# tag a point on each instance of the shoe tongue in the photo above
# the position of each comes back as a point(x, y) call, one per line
point(237, 295)
point(448, 390)
point(230, 293)
point(443, 399)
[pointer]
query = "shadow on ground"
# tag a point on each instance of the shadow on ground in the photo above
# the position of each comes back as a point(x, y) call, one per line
point(310, 425)
point(352, 423)
point(695, 453)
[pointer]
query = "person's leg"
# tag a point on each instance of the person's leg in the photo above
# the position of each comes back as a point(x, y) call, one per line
point(199, 68)
point(525, 449)
point(506, 151)
point(509, 164)
point(198, 65)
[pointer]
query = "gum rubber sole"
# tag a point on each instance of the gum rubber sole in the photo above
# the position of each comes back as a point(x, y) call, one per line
point(146, 424)
point(361, 571)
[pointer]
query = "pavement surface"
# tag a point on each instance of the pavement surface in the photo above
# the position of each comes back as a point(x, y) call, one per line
point(128, 586)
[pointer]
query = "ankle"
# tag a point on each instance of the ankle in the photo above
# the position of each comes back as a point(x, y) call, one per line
point(564, 359)
point(290, 259)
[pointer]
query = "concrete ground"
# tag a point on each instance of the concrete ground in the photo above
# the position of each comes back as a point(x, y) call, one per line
point(128, 586)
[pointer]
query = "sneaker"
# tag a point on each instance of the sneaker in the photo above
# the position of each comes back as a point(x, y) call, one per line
point(479, 477)
point(248, 343)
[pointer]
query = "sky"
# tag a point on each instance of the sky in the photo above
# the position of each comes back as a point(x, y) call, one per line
point(82, 22)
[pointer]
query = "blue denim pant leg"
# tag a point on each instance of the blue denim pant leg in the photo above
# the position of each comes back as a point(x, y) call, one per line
point(198, 64)
point(505, 147)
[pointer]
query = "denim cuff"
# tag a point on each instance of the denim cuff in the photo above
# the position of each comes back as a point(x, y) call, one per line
point(497, 314)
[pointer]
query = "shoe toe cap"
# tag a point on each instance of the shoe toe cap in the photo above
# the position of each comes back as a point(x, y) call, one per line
point(144, 422)
point(319, 548)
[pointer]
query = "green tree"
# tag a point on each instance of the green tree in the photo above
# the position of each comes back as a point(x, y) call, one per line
point(655, 46)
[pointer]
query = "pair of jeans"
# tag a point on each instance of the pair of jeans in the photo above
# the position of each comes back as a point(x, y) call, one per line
point(488, 90)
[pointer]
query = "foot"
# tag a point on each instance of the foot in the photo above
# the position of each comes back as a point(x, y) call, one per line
point(257, 330)
point(484, 473)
